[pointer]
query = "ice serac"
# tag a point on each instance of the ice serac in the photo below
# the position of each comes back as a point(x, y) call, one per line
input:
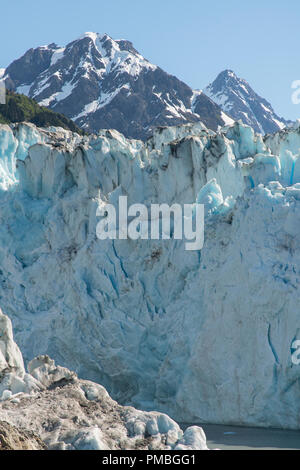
point(10, 355)
point(205, 336)
point(13, 378)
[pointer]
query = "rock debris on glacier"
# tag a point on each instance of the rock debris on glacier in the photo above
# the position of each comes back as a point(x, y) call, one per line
point(12, 438)
point(54, 409)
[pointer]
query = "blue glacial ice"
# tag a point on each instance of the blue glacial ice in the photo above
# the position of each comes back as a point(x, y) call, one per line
point(204, 336)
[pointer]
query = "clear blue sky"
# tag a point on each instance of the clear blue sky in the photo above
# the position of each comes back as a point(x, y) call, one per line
point(192, 39)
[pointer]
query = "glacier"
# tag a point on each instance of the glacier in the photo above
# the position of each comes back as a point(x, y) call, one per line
point(205, 336)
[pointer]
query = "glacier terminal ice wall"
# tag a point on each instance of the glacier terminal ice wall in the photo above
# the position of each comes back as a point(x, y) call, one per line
point(205, 336)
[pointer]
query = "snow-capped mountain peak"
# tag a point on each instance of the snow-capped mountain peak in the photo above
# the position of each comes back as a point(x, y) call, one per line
point(100, 82)
point(118, 53)
point(92, 57)
point(236, 97)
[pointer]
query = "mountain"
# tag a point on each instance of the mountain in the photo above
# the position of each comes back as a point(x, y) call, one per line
point(19, 108)
point(100, 83)
point(235, 96)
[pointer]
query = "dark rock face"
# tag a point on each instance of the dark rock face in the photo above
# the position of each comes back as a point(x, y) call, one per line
point(235, 96)
point(30, 65)
point(210, 109)
point(102, 83)
point(136, 111)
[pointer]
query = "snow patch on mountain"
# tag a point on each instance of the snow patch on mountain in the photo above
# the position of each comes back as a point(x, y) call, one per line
point(57, 55)
point(194, 97)
point(227, 120)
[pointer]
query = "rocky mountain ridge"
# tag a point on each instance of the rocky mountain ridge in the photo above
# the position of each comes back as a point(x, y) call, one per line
point(236, 97)
point(99, 82)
